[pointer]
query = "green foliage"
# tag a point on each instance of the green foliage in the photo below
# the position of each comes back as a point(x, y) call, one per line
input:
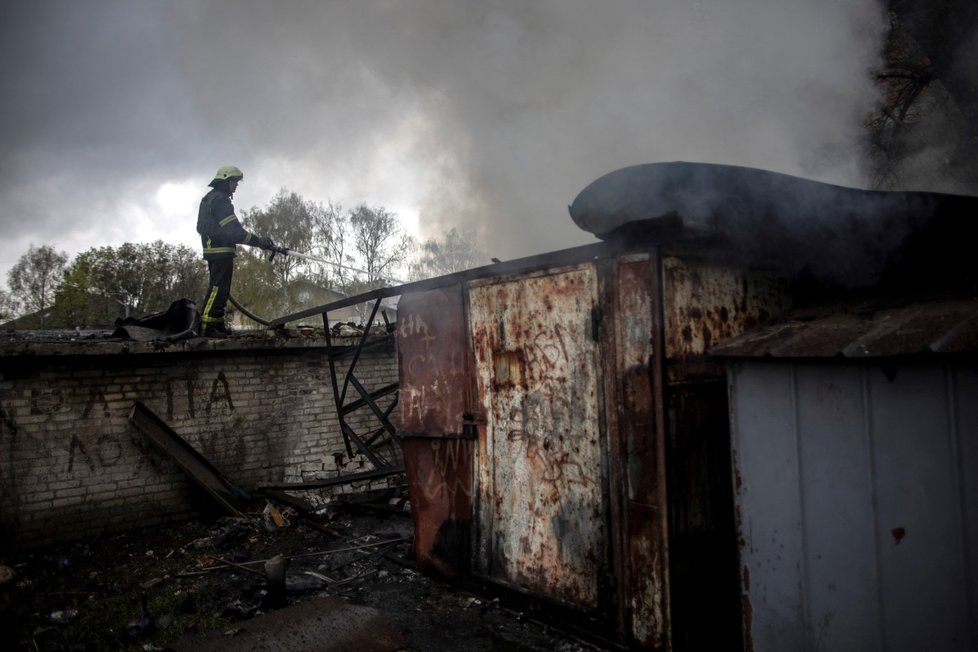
point(360, 249)
point(119, 622)
point(268, 289)
point(8, 307)
point(257, 286)
point(104, 284)
point(290, 221)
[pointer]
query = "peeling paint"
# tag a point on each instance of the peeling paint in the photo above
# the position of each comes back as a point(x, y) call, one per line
point(705, 304)
point(541, 477)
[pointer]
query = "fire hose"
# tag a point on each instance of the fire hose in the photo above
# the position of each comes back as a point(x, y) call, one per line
point(285, 251)
point(249, 315)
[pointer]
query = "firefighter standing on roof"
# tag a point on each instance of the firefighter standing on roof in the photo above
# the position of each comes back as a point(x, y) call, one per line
point(220, 231)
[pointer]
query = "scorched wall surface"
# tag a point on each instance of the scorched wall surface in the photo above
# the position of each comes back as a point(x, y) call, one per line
point(72, 465)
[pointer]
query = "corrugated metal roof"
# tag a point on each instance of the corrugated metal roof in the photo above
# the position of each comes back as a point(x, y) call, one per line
point(863, 329)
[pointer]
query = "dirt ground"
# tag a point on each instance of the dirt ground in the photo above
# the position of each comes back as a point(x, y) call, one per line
point(162, 588)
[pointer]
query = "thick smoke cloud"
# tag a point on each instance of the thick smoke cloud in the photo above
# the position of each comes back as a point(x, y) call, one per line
point(488, 114)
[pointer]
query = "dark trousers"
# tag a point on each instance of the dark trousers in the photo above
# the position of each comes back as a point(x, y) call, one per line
point(221, 270)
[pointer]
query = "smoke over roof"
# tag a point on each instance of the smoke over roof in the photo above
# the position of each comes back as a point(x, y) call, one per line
point(833, 236)
point(489, 114)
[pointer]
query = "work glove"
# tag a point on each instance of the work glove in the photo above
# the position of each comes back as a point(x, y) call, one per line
point(264, 243)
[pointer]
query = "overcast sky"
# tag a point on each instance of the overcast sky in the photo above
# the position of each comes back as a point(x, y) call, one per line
point(115, 114)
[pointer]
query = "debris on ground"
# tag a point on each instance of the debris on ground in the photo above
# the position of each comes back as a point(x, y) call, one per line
point(319, 623)
point(180, 585)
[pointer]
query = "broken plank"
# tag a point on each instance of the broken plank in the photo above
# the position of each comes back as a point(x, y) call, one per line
point(232, 498)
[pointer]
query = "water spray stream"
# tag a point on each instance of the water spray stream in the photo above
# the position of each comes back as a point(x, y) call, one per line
point(285, 251)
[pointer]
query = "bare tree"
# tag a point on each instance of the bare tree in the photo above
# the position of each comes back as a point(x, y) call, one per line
point(8, 307)
point(946, 31)
point(381, 242)
point(925, 128)
point(35, 277)
point(454, 252)
point(331, 234)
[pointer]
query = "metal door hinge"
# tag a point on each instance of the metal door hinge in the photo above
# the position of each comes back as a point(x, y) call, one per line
point(596, 316)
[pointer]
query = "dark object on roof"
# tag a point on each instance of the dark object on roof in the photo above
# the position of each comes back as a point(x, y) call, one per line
point(832, 235)
point(863, 330)
point(180, 321)
point(234, 499)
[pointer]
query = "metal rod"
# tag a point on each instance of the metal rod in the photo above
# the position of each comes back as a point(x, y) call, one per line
point(235, 565)
point(366, 397)
point(361, 446)
point(320, 553)
point(356, 356)
point(343, 479)
point(519, 266)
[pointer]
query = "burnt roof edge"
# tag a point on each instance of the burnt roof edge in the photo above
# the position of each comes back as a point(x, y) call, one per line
point(915, 328)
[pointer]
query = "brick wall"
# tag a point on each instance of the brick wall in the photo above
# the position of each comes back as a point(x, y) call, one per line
point(71, 465)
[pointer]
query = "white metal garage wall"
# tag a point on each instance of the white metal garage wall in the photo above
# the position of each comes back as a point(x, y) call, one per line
point(857, 499)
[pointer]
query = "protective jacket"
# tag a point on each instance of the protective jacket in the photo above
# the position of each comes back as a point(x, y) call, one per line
point(219, 227)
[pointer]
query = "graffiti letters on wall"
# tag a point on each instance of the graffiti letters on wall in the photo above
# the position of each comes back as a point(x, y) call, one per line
point(432, 391)
point(65, 429)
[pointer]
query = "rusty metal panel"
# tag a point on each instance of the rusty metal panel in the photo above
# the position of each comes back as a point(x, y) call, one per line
point(540, 501)
point(705, 304)
point(862, 329)
point(641, 433)
point(431, 350)
point(439, 473)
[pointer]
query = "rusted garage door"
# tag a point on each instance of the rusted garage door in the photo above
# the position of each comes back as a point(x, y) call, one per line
point(541, 513)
